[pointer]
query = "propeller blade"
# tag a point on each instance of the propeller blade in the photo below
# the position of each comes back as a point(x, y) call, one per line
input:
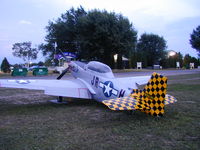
point(63, 73)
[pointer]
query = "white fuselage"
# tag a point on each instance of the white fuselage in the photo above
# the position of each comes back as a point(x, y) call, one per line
point(102, 86)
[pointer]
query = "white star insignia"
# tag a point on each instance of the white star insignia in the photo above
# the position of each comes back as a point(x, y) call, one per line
point(107, 88)
point(23, 81)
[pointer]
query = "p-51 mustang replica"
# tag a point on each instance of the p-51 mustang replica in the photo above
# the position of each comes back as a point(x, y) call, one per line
point(96, 81)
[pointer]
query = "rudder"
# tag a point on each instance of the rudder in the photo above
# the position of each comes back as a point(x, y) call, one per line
point(153, 95)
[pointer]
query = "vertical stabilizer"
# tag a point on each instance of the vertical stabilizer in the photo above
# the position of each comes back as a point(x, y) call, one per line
point(153, 95)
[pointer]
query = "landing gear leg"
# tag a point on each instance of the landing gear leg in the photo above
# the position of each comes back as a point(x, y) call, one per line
point(59, 100)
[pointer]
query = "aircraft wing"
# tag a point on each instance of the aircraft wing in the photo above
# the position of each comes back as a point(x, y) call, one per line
point(67, 88)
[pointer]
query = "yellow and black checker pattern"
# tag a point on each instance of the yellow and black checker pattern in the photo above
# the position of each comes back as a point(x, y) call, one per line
point(153, 94)
point(170, 99)
point(124, 103)
point(151, 100)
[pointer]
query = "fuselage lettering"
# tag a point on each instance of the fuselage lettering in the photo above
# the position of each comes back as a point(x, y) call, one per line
point(95, 81)
point(121, 93)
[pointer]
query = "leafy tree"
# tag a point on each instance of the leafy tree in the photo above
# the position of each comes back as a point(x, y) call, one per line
point(138, 57)
point(133, 59)
point(33, 64)
point(5, 66)
point(93, 35)
point(48, 62)
point(40, 63)
point(64, 32)
point(170, 61)
point(195, 61)
point(152, 48)
point(195, 39)
point(104, 34)
point(187, 61)
point(16, 66)
point(24, 51)
point(179, 58)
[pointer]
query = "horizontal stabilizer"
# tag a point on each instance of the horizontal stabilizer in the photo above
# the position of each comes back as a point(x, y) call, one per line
point(169, 99)
point(151, 100)
point(125, 103)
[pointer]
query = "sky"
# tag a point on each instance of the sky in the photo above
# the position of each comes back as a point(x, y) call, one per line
point(25, 20)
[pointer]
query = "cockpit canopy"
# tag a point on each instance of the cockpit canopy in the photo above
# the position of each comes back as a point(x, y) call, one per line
point(100, 68)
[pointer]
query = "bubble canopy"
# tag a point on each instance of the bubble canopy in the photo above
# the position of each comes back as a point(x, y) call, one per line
point(98, 67)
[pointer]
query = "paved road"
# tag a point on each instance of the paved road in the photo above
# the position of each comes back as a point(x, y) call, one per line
point(163, 72)
point(123, 74)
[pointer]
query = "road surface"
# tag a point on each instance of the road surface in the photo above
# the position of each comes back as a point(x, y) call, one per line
point(122, 74)
point(163, 72)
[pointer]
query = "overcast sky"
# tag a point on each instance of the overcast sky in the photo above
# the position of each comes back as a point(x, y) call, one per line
point(25, 20)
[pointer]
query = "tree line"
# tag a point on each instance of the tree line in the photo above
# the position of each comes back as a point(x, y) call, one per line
point(99, 35)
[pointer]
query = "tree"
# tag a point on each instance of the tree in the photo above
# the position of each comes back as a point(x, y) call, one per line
point(170, 61)
point(187, 61)
point(64, 32)
point(195, 61)
point(24, 51)
point(151, 48)
point(195, 39)
point(104, 34)
point(48, 62)
point(40, 63)
point(93, 35)
point(5, 66)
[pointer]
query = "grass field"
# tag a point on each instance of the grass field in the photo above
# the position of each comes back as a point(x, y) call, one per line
point(29, 121)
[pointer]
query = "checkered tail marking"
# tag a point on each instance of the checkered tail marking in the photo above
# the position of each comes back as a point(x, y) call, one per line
point(125, 103)
point(151, 100)
point(153, 95)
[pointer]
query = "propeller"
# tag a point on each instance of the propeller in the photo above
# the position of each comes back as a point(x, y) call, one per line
point(63, 73)
point(60, 98)
point(67, 69)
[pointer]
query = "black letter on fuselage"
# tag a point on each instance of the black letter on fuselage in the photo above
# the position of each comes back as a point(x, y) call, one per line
point(96, 82)
point(92, 81)
point(121, 93)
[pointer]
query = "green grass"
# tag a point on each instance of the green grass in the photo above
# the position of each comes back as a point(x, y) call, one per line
point(85, 124)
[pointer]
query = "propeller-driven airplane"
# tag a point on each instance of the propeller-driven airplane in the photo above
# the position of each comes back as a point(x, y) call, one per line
point(95, 80)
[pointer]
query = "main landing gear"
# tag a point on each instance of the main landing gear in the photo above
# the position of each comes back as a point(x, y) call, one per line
point(59, 100)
